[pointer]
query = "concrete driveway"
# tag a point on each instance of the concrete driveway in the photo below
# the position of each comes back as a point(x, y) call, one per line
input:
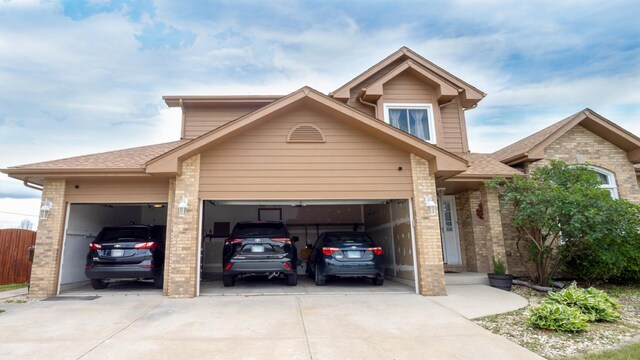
point(328, 326)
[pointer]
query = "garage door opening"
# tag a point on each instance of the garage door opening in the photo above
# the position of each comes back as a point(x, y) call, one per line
point(84, 222)
point(387, 222)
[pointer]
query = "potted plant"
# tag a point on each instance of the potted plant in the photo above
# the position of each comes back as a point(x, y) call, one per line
point(499, 277)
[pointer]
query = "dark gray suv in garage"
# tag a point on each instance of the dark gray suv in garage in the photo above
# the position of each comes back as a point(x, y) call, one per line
point(259, 248)
point(126, 252)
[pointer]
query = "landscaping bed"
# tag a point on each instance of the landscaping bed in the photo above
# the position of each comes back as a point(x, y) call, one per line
point(598, 337)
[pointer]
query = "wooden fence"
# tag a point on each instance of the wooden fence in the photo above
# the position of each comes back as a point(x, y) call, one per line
point(15, 267)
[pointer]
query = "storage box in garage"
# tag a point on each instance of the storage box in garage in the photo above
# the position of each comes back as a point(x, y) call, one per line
point(302, 268)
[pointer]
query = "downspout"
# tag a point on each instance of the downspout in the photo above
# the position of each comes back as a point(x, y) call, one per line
point(361, 101)
point(32, 186)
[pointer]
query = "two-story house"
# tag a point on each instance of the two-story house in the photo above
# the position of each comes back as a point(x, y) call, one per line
point(386, 153)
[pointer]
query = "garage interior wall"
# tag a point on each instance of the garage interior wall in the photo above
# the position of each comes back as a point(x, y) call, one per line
point(85, 222)
point(390, 224)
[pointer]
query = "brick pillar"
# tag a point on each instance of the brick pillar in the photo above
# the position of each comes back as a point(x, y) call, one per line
point(493, 224)
point(427, 231)
point(181, 272)
point(171, 209)
point(46, 261)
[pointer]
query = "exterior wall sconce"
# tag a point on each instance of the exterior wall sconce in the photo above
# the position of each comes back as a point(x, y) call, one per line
point(431, 205)
point(182, 206)
point(45, 209)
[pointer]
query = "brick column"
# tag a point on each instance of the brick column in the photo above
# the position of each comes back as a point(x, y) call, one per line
point(181, 272)
point(427, 231)
point(46, 261)
point(493, 224)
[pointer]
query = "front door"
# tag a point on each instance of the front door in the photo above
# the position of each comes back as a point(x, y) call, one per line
point(449, 230)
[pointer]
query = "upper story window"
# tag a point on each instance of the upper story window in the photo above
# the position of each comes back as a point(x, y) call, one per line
point(416, 119)
point(608, 180)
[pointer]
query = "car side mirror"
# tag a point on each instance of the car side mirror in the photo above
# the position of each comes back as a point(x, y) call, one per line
point(309, 246)
point(295, 239)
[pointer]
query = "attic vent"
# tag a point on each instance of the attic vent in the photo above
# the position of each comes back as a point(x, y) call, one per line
point(306, 133)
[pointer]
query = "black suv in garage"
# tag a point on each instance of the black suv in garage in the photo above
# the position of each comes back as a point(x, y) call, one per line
point(259, 248)
point(126, 252)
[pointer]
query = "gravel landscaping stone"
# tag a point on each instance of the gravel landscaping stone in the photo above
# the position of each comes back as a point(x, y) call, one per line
point(553, 345)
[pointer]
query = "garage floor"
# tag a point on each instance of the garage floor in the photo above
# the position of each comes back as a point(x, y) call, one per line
point(254, 286)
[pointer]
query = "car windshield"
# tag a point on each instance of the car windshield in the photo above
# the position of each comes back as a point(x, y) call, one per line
point(347, 238)
point(259, 229)
point(123, 234)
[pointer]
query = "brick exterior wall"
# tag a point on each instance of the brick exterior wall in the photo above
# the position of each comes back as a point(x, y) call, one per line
point(493, 225)
point(580, 144)
point(181, 265)
point(46, 261)
point(482, 239)
point(427, 231)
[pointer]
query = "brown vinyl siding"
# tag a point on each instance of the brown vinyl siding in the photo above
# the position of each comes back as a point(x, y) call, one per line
point(260, 164)
point(453, 127)
point(117, 191)
point(200, 120)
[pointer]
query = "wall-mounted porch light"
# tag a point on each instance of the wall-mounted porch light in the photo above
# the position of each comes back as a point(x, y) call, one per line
point(431, 205)
point(182, 206)
point(45, 209)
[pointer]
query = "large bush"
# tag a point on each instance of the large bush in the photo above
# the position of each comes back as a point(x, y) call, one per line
point(563, 217)
point(611, 250)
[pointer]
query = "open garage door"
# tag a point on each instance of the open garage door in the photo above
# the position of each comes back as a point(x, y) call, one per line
point(84, 222)
point(387, 222)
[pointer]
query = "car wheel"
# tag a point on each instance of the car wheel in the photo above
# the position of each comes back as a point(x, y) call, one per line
point(158, 282)
point(378, 280)
point(99, 284)
point(321, 280)
point(228, 280)
point(292, 279)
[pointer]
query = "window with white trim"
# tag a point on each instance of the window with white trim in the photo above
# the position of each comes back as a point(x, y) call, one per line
point(415, 119)
point(608, 180)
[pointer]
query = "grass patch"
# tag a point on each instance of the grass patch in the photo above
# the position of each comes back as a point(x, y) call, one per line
point(12, 287)
point(629, 352)
point(1, 311)
point(16, 301)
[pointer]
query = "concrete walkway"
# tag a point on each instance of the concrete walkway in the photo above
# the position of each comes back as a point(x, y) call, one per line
point(352, 326)
point(476, 301)
point(13, 293)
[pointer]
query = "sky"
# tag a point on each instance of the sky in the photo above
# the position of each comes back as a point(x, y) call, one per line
point(79, 77)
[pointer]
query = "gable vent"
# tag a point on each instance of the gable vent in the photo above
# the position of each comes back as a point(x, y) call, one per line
point(306, 133)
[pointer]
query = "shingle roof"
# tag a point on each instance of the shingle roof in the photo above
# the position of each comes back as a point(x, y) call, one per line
point(130, 158)
point(526, 144)
point(484, 166)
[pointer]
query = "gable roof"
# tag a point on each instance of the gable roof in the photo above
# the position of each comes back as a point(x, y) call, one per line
point(470, 94)
point(446, 92)
point(132, 160)
point(441, 161)
point(532, 147)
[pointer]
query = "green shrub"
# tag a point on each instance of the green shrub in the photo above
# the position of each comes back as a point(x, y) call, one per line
point(554, 316)
point(499, 268)
point(593, 303)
